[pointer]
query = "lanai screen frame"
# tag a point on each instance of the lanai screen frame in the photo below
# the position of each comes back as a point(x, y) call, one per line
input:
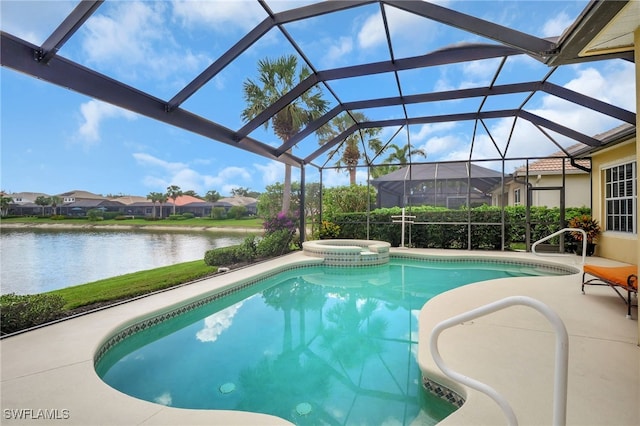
point(43, 62)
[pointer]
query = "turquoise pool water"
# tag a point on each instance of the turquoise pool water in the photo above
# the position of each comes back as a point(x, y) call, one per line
point(313, 345)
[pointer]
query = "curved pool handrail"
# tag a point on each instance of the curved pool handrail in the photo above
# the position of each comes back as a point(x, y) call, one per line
point(562, 231)
point(561, 356)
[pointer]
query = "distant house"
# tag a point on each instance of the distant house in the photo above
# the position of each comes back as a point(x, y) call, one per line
point(133, 205)
point(544, 179)
point(78, 203)
point(436, 184)
point(24, 204)
point(251, 204)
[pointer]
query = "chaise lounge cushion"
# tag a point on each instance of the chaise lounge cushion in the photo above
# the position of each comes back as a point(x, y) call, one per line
point(614, 275)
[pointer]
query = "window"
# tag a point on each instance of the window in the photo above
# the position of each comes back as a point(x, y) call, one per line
point(516, 197)
point(621, 198)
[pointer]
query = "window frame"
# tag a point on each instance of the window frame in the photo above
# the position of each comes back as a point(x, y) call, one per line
point(620, 198)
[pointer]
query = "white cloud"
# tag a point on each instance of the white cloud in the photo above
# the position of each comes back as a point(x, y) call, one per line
point(33, 21)
point(221, 15)
point(408, 32)
point(93, 114)
point(556, 25)
point(272, 172)
point(165, 173)
point(370, 34)
point(132, 40)
point(338, 50)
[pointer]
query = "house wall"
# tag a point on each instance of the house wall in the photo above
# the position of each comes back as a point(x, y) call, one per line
point(620, 246)
point(577, 190)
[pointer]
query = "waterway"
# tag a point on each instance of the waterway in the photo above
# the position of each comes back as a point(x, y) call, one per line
point(36, 260)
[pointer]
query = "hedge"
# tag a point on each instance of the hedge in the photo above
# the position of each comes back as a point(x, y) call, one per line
point(431, 231)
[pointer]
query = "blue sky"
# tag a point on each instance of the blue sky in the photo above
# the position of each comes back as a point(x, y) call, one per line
point(55, 140)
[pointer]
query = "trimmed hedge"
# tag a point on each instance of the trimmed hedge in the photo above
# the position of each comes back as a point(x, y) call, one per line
point(431, 231)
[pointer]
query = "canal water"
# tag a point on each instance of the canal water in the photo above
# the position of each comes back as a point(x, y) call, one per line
point(35, 261)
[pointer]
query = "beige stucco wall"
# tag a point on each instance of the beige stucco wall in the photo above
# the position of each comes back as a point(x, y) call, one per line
point(619, 246)
point(577, 191)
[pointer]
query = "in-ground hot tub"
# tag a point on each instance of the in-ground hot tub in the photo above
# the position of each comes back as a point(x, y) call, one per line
point(348, 252)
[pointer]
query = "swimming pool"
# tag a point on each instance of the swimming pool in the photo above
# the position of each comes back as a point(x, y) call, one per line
point(312, 345)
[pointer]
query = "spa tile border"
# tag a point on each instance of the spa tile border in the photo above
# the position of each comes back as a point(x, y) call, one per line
point(442, 392)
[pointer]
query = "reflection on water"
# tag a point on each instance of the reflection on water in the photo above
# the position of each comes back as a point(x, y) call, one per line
point(34, 261)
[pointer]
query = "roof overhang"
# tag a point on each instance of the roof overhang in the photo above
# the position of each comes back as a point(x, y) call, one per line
point(603, 30)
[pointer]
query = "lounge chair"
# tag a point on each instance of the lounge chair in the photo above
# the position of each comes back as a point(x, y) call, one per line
point(623, 277)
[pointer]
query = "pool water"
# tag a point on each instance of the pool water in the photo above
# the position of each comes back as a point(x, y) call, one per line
point(314, 345)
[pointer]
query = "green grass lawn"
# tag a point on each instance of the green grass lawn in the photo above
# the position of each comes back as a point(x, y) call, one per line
point(194, 222)
point(133, 284)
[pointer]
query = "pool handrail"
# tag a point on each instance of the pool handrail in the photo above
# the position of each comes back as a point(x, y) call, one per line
point(562, 231)
point(561, 355)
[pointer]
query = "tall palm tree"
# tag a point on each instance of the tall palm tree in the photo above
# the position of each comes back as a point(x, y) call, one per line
point(278, 77)
point(43, 201)
point(55, 201)
point(350, 148)
point(4, 204)
point(162, 198)
point(398, 155)
point(154, 197)
point(212, 196)
point(173, 192)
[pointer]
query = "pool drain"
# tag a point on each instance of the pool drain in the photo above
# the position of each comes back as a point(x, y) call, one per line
point(303, 408)
point(227, 388)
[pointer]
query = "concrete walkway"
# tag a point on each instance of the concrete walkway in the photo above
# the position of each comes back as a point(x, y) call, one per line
point(49, 373)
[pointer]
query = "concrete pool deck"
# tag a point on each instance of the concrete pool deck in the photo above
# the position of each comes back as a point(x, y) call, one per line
point(52, 369)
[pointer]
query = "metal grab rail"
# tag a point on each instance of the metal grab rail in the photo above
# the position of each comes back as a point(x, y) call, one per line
point(584, 243)
point(561, 355)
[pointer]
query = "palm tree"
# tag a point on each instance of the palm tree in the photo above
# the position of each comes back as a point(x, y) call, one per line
point(4, 204)
point(351, 146)
point(397, 156)
point(43, 201)
point(212, 196)
point(154, 197)
point(162, 198)
point(278, 77)
point(174, 192)
point(55, 200)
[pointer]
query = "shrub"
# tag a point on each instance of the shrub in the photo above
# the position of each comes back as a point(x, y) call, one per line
point(110, 215)
point(19, 312)
point(282, 221)
point(221, 256)
point(247, 251)
point(275, 244)
point(237, 212)
point(176, 217)
point(94, 215)
point(58, 217)
point(218, 213)
point(329, 230)
point(188, 215)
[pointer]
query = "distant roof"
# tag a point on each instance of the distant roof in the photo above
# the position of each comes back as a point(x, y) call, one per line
point(184, 200)
point(27, 195)
point(482, 178)
point(237, 201)
point(82, 194)
point(130, 199)
point(553, 164)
